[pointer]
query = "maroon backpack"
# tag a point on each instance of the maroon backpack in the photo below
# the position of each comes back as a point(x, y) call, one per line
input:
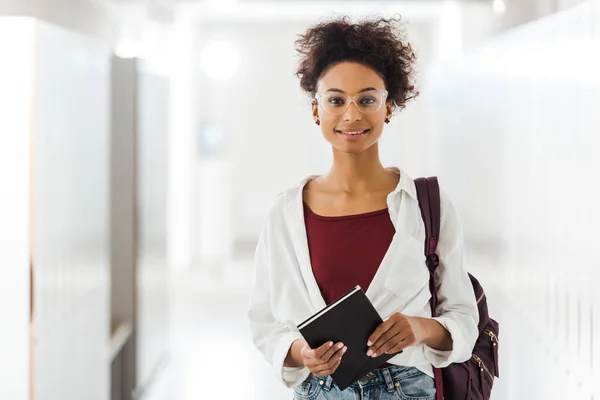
point(473, 379)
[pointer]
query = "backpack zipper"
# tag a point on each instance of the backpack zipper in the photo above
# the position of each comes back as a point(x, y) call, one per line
point(482, 366)
point(492, 336)
point(494, 340)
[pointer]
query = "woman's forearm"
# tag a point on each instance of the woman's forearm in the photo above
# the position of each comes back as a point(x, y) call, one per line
point(293, 358)
point(435, 335)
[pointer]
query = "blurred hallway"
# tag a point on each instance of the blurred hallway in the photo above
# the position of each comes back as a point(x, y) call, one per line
point(209, 334)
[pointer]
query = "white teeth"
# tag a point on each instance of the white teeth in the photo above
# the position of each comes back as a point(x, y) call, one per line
point(353, 133)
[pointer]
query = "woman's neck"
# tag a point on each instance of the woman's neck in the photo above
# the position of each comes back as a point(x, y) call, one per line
point(357, 173)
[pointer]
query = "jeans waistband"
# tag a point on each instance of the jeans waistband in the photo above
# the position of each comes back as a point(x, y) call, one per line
point(388, 377)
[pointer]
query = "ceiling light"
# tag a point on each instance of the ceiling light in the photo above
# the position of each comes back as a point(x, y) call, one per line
point(220, 60)
point(499, 6)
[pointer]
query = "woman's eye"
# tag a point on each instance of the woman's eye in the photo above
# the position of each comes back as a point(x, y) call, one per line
point(367, 100)
point(336, 101)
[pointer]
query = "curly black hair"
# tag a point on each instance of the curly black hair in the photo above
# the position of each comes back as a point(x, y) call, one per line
point(377, 43)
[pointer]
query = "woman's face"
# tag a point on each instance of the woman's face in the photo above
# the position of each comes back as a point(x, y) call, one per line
point(343, 125)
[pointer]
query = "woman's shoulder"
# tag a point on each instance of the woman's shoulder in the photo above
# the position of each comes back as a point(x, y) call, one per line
point(285, 201)
point(291, 193)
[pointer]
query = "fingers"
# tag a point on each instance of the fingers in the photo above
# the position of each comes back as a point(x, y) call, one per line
point(329, 370)
point(321, 363)
point(377, 348)
point(320, 351)
point(400, 346)
point(397, 343)
point(379, 331)
point(332, 351)
point(307, 352)
point(330, 366)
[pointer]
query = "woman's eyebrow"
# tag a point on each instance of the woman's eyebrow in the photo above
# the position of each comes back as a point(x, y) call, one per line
point(341, 91)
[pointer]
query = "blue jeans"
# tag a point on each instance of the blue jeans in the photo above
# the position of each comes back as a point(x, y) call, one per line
point(404, 383)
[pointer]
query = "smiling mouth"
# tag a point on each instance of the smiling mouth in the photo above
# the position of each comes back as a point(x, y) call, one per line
point(353, 133)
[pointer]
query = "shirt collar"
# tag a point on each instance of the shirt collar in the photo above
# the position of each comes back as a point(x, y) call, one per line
point(406, 183)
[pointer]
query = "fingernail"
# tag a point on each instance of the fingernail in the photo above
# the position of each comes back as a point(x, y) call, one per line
point(369, 353)
point(330, 344)
point(369, 343)
point(343, 351)
point(340, 345)
point(374, 355)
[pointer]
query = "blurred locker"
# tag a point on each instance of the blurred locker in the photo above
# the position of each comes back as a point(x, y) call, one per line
point(139, 300)
point(70, 215)
point(123, 227)
point(152, 277)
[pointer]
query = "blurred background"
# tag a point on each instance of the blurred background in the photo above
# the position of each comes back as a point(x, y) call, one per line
point(142, 141)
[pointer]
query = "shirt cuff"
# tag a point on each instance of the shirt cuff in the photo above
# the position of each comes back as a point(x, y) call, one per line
point(460, 352)
point(290, 376)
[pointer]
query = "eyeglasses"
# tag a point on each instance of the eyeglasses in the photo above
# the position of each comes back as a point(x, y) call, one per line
point(367, 102)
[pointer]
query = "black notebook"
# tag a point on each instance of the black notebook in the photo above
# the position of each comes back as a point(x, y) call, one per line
point(351, 319)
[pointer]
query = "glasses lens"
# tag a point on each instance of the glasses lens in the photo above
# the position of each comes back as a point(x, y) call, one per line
point(367, 102)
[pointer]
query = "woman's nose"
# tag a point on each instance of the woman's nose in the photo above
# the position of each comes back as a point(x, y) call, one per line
point(352, 113)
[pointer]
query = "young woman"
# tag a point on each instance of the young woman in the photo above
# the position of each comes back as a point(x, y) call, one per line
point(359, 224)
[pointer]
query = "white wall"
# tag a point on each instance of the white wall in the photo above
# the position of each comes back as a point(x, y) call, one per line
point(151, 274)
point(92, 18)
point(566, 4)
point(84, 15)
point(107, 20)
point(520, 12)
point(480, 23)
point(16, 124)
point(57, 160)
point(71, 118)
point(516, 135)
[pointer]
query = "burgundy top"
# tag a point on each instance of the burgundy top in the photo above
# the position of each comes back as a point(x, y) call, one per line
point(346, 251)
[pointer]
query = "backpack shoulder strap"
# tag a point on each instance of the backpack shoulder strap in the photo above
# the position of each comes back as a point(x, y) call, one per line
point(428, 193)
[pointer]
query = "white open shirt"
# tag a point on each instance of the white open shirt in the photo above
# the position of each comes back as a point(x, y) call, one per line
point(285, 291)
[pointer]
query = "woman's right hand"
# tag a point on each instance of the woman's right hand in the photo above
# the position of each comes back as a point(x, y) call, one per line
point(324, 360)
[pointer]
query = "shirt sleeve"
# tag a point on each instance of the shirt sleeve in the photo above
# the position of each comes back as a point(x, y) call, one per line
point(272, 338)
point(457, 307)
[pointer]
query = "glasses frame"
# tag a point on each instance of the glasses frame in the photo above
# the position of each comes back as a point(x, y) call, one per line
point(352, 99)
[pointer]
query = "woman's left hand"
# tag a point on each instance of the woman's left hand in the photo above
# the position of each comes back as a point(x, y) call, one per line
point(395, 334)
